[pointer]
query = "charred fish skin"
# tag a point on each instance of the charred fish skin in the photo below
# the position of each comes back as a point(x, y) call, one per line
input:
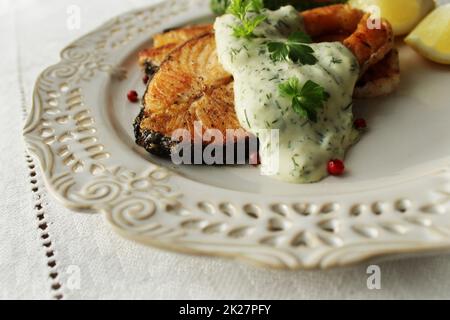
point(150, 69)
point(164, 147)
point(154, 142)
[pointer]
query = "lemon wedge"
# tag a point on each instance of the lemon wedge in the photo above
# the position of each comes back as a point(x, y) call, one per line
point(404, 15)
point(431, 38)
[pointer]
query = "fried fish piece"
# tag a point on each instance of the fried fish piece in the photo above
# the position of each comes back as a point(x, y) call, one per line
point(191, 88)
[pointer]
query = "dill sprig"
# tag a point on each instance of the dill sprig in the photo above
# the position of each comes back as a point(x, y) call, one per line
point(248, 23)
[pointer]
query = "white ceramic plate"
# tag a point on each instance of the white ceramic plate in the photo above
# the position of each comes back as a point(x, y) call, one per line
point(394, 200)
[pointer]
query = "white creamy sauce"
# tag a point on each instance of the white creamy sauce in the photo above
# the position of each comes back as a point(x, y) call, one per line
point(305, 147)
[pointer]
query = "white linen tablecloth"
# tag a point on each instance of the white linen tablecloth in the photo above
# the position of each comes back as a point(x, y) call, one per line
point(49, 252)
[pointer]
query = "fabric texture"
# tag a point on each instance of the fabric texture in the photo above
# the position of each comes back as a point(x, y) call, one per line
point(49, 252)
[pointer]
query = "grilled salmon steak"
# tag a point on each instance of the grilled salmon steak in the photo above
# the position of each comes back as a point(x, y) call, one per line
point(190, 88)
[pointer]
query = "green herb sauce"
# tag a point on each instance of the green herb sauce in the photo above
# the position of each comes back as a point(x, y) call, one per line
point(305, 147)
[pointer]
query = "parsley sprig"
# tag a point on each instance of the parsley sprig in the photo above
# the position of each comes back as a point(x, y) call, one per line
point(241, 10)
point(306, 100)
point(294, 49)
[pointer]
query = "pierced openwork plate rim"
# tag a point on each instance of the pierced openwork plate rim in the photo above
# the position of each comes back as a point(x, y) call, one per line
point(86, 172)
